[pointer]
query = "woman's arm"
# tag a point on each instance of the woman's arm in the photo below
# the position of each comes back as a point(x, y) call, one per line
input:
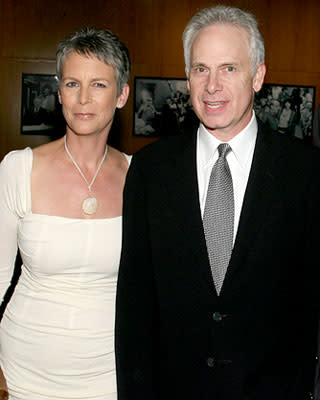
point(8, 220)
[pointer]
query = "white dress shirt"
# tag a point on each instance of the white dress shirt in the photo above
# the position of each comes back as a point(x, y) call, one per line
point(239, 160)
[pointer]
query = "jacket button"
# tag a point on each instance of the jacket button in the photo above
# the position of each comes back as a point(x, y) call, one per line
point(217, 316)
point(210, 362)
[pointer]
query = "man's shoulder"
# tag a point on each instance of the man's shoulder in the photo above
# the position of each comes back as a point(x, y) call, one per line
point(291, 164)
point(288, 144)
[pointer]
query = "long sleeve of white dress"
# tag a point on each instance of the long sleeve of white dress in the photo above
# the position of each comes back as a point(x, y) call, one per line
point(14, 197)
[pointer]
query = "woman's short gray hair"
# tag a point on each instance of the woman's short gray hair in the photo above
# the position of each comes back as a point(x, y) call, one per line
point(224, 15)
point(101, 43)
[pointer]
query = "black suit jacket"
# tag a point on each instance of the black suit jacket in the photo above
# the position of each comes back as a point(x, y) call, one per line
point(175, 337)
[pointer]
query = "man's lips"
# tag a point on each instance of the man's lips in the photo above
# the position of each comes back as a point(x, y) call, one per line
point(215, 105)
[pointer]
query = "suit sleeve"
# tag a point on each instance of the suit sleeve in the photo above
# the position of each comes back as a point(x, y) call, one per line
point(311, 269)
point(135, 305)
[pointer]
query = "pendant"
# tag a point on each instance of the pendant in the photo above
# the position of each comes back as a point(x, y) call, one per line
point(90, 205)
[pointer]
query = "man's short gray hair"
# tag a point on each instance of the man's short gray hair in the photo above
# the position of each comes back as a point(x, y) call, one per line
point(101, 43)
point(224, 15)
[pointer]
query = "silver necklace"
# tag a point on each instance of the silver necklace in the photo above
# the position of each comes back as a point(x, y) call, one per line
point(89, 204)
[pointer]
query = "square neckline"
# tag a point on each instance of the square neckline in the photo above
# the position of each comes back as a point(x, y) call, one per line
point(51, 215)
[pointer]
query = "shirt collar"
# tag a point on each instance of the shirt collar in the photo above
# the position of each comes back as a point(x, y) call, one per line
point(242, 144)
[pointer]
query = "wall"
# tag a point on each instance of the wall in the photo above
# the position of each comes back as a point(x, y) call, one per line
point(152, 29)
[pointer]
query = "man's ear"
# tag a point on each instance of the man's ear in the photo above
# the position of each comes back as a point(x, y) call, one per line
point(258, 78)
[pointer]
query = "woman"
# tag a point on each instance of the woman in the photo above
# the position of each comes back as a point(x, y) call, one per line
point(61, 205)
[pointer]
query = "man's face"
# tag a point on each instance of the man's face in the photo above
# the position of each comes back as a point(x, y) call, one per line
point(275, 107)
point(220, 82)
point(263, 101)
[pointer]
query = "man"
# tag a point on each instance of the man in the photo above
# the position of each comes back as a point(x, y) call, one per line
point(219, 277)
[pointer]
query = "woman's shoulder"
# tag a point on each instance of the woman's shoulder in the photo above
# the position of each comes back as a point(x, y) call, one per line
point(46, 154)
point(118, 157)
point(128, 157)
point(15, 171)
point(16, 160)
point(47, 149)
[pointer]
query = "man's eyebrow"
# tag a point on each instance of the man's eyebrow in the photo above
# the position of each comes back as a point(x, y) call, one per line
point(198, 64)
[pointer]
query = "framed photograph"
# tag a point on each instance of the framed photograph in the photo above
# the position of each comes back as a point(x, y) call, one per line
point(161, 106)
point(40, 110)
point(287, 109)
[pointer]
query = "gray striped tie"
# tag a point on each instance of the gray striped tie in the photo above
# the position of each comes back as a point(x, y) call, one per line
point(219, 216)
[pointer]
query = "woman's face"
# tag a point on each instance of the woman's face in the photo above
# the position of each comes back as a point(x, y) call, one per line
point(88, 94)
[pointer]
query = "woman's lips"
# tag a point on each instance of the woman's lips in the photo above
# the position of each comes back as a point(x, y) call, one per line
point(84, 115)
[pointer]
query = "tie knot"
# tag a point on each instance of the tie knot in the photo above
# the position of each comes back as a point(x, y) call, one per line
point(223, 149)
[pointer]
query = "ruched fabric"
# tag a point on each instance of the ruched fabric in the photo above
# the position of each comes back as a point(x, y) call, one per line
point(57, 333)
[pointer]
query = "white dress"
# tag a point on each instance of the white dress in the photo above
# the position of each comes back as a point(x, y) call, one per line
point(57, 333)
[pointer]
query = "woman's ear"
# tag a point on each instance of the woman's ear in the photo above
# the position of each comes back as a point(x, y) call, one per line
point(59, 96)
point(123, 97)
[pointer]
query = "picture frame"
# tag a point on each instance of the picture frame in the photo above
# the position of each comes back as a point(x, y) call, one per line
point(162, 106)
point(40, 109)
point(288, 109)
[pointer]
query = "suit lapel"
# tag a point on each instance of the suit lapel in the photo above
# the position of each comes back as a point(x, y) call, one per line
point(256, 204)
point(185, 195)
point(183, 192)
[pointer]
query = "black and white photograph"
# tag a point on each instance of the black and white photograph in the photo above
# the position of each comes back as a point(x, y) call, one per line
point(162, 106)
point(287, 109)
point(40, 109)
